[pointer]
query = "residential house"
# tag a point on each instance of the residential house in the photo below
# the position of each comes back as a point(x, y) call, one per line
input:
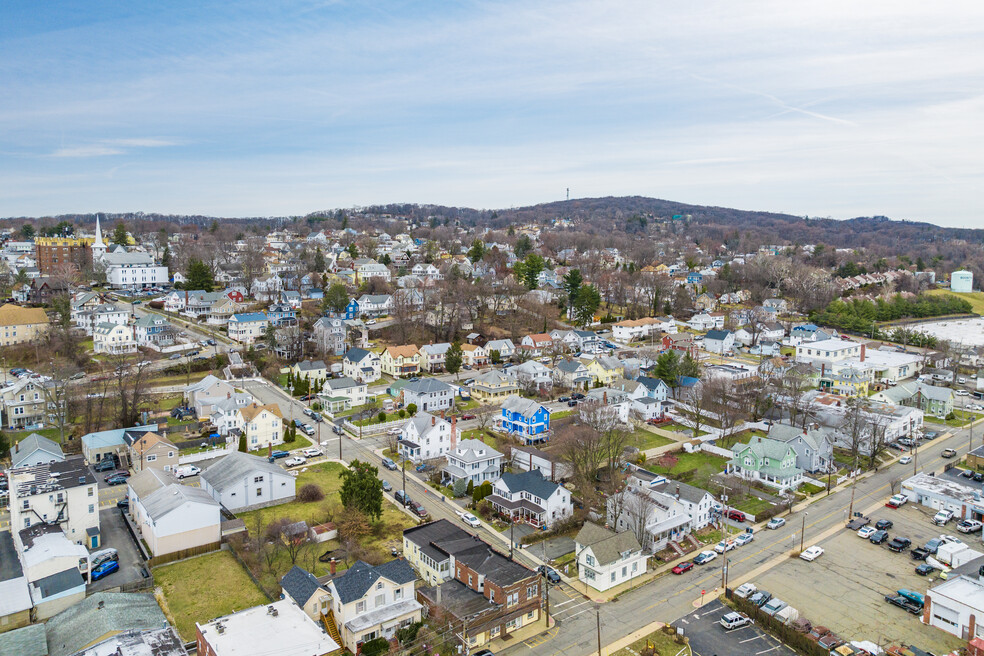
point(606, 558)
point(209, 387)
point(247, 328)
point(278, 628)
point(153, 330)
point(491, 385)
point(813, 445)
point(633, 330)
point(113, 339)
point(24, 403)
point(473, 460)
point(432, 356)
point(529, 458)
point(310, 370)
point(148, 450)
point(330, 334)
point(98, 446)
point(571, 374)
point(375, 305)
point(307, 592)
point(263, 425)
point(340, 394)
point(704, 321)
point(424, 270)
point(219, 312)
point(87, 318)
point(132, 270)
point(242, 482)
point(369, 602)
point(697, 503)
point(525, 419)
point(50, 565)
point(43, 289)
point(365, 271)
point(529, 497)
point(428, 548)
point(682, 343)
point(399, 361)
point(532, 375)
point(605, 370)
point(505, 348)
point(62, 493)
point(362, 365)
point(225, 415)
point(932, 400)
point(426, 436)
point(705, 302)
point(829, 351)
point(473, 355)
point(719, 341)
point(35, 450)
point(780, 305)
point(429, 395)
point(172, 517)
point(536, 345)
point(769, 461)
point(656, 517)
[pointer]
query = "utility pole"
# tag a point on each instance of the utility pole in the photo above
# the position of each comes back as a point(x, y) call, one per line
point(598, 624)
point(915, 451)
point(803, 531)
point(854, 484)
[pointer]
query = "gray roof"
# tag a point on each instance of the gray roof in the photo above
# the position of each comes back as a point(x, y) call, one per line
point(58, 583)
point(84, 622)
point(167, 499)
point(569, 366)
point(28, 641)
point(717, 334)
point(311, 365)
point(607, 546)
point(497, 568)
point(10, 565)
point(530, 481)
point(436, 349)
point(525, 407)
point(356, 354)
point(32, 443)
point(427, 386)
point(150, 480)
point(467, 451)
point(786, 433)
point(353, 583)
point(231, 469)
point(300, 585)
point(163, 641)
point(341, 383)
point(438, 539)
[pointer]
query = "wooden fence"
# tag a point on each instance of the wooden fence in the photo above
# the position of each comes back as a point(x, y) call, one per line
point(183, 553)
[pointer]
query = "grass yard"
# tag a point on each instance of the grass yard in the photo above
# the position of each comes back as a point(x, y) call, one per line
point(693, 468)
point(302, 442)
point(741, 437)
point(644, 439)
point(811, 489)
point(561, 414)
point(960, 418)
point(752, 505)
point(200, 589)
point(976, 299)
point(50, 433)
point(663, 643)
point(680, 428)
point(177, 379)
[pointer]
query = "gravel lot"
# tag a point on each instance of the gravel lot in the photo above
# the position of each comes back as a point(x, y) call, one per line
point(844, 589)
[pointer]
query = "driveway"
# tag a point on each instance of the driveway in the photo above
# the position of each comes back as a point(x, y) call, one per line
point(709, 638)
point(115, 535)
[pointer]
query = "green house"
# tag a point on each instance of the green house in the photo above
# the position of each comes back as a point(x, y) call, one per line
point(769, 461)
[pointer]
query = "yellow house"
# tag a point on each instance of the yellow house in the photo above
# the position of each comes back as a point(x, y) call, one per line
point(605, 370)
point(849, 383)
point(400, 361)
point(262, 424)
point(21, 325)
point(493, 384)
point(474, 356)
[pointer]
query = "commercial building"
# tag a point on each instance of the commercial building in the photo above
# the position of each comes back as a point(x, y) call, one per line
point(56, 493)
point(60, 254)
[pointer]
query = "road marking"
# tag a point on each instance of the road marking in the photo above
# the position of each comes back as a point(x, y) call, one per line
point(752, 639)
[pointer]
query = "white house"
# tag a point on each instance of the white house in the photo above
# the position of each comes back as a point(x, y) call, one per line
point(432, 356)
point(34, 450)
point(426, 436)
point(505, 347)
point(532, 375)
point(375, 305)
point(828, 351)
point(248, 327)
point(362, 365)
point(113, 338)
point(61, 492)
point(606, 558)
point(172, 517)
point(473, 460)
point(263, 425)
point(429, 394)
point(705, 321)
point(224, 412)
point(955, 605)
point(240, 481)
point(696, 502)
point(133, 270)
point(340, 394)
point(719, 341)
point(531, 498)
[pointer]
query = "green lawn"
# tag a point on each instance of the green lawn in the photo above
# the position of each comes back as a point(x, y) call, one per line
point(810, 488)
point(693, 468)
point(643, 439)
point(50, 433)
point(741, 437)
point(561, 414)
point(680, 428)
point(752, 504)
point(664, 644)
point(960, 418)
point(184, 586)
point(302, 442)
point(177, 379)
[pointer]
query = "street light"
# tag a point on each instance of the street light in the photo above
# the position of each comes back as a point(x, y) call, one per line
point(803, 530)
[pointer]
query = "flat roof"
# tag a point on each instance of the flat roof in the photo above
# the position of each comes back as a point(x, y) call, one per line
point(50, 477)
point(277, 628)
point(945, 486)
point(963, 590)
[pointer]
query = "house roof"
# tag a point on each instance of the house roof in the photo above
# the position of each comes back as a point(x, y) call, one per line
point(28, 641)
point(717, 334)
point(436, 349)
point(300, 584)
point(468, 451)
point(357, 354)
point(113, 437)
point(540, 338)
point(342, 383)
point(57, 583)
point(764, 447)
point(525, 407)
point(607, 546)
point(405, 351)
point(438, 539)
point(426, 386)
point(310, 365)
point(497, 568)
point(248, 317)
point(353, 583)
point(99, 614)
point(168, 499)
point(569, 366)
point(530, 481)
point(231, 469)
point(14, 315)
point(32, 443)
point(149, 480)
point(492, 377)
point(251, 411)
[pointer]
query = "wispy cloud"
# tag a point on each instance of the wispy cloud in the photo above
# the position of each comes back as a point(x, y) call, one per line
point(112, 147)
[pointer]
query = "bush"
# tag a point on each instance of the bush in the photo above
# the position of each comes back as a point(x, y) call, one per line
point(479, 493)
point(381, 416)
point(408, 633)
point(375, 647)
point(460, 488)
point(309, 493)
point(412, 409)
point(403, 413)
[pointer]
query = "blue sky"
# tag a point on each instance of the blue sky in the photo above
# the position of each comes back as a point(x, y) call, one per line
point(276, 108)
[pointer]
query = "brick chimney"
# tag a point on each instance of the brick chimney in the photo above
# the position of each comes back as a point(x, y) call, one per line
point(433, 420)
point(454, 432)
point(862, 352)
point(332, 567)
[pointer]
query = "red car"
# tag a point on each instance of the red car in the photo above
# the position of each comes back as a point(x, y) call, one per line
point(683, 567)
point(467, 417)
point(736, 515)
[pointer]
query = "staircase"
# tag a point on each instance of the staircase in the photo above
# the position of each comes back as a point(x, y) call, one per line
point(693, 541)
point(676, 548)
point(330, 626)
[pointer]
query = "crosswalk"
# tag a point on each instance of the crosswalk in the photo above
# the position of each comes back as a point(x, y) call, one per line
point(568, 607)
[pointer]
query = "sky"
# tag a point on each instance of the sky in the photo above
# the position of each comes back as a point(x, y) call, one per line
point(267, 108)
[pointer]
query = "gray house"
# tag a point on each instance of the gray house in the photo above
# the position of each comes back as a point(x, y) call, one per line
point(813, 445)
point(429, 394)
point(35, 450)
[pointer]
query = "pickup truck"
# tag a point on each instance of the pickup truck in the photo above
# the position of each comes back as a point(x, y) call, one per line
point(902, 602)
point(919, 553)
point(898, 545)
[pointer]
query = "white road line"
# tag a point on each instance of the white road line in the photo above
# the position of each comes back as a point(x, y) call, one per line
point(766, 651)
point(564, 603)
point(741, 642)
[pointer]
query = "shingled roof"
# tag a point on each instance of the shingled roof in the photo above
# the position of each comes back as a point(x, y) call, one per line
point(607, 546)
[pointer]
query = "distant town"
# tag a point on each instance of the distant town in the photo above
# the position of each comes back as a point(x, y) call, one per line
point(405, 431)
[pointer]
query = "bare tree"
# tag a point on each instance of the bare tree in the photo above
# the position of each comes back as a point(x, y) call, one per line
point(291, 542)
point(614, 436)
point(130, 381)
point(637, 506)
point(485, 415)
point(251, 263)
point(722, 395)
point(695, 408)
point(580, 446)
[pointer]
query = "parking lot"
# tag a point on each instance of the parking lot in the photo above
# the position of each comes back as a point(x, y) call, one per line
point(115, 535)
point(709, 638)
point(844, 589)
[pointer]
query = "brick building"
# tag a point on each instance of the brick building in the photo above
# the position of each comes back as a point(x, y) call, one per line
point(54, 253)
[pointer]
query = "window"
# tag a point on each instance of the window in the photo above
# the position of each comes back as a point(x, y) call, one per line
point(531, 591)
point(613, 577)
point(257, 479)
point(512, 599)
point(259, 491)
point(380, 600)
point(152, 458)
point(360, 607)
point(92, 491)
point(92, 508)
point(397, 594)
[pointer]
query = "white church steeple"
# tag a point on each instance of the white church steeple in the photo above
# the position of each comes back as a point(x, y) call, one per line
point(98, 247)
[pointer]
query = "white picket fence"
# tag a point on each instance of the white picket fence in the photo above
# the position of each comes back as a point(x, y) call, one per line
point(716, 450)
point(374, 428)
point(208, 454)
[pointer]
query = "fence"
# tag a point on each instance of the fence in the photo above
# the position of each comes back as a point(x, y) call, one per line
point(716, 450)
point(206, 455)
point(249, 573)
point(373, 429)
point(183, 553)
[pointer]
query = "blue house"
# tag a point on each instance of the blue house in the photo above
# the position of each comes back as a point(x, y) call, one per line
point(282, 314)
point(525, 418)
point(695, 278)
point(352, 310)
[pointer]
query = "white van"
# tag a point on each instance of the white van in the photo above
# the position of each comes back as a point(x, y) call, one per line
point(185, 471)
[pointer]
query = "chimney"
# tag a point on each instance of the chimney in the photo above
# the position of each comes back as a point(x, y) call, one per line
point(678, 491)
point(434, 419)
point(228, 395)
point(17, 447)
point(823, 370)
point(604, 398)
point(332, 566)
point(862, 352)
point(454, 431)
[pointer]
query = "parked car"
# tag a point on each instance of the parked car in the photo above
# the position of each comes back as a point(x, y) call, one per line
point(704, 557)
point(418, 509)
point(919, 553)
point(773, 606)
point(185, 471)
point(866, 532)
point(733, 621)
point(386, 485)
point(402, 497)
point(745, 590)
point(967, 473)
point(948, 453)
point(276, 455)
point(564, 399)
point(942, 517)
point(104, 465)
point(471, 520)
point(922, 569)
point(930, 435)
point(905, 460)
point(878, 537)
point(572, 403)
point(105, 569)
point(389, 464)
point(123, 504)
point(77, 375)
point(467, 417)
point(812, 553)
point(118, 472)
point(295, 461)
point(760, 598)
point(683, 567)
point(744, 539)
point(899, 544)
point(736, 515)
point(116, 479)
point(549, 572)
point(776, 522)
point(897, 501)
point(883, 524)
point(724, 545)
point(969, 525)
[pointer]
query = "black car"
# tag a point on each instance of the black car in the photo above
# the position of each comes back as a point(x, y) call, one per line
point(883, 524)
point(978, 477)
point(760, 598)
point(564, 399)
point(104, 465)
point(899, 545)
point(550, 573)
point(123, 504)
point(878, 537)
point(919, 553)
point(967, 473)
point(577, 397)
point(572, 403)
point(923, 569)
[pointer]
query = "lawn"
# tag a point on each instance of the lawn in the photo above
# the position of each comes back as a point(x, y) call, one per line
point(664, 644)
point(752, 505)
point(811, 489)
point(184, 586)
point(741, 437)
point(680, 428)
point(178, 379)
point(960, 418)
point(643, 440)
point(693, 468)
point(302, 442)
point(561, 414)
point(50, 433)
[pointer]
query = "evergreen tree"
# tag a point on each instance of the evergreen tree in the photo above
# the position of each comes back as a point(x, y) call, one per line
point(166, 256)
point(477, 250)
point(336, 299)
point(199, 276)
point(353, 250)
point(319, 260)
point(27, 231)
point(453, 358)
point(362, 489)
point(668, 368)
point(242, 442)
point(523, 246)
point(119, 235)
point(586, 302)
point(572, 284)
